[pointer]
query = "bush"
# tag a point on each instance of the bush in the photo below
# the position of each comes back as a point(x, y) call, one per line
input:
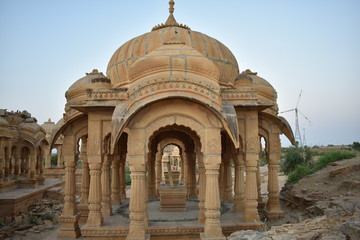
point(356, 146)
point(332, 157)
point(299, 172)
point(54, 159)
point(296, 156)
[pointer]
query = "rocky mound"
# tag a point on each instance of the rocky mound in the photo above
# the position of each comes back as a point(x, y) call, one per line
point(331, 197)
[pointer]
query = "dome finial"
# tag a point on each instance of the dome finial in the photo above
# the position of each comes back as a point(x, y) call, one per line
point(170, 22)
point(171, 6)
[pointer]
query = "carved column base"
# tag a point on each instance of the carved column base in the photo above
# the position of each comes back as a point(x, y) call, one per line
point(137, 231)
point(239, 204)
point(273, 210)
point(106, 209)
point(41, 180)
point(84, 212)
point(251, 212)
point(212, 228)
point(273, 214)
point(95, 219)
point(69, 227)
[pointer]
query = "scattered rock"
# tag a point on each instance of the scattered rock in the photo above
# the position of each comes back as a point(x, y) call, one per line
point(308, 236)
point(351, 228)
point(249, 235)
point(48, 224)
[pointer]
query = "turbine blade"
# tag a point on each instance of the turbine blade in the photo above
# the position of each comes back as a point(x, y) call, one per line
point(297, 105)
point(305, 117)
point(287, 111)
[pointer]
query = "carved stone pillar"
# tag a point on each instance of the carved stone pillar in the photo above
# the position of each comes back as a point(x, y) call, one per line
point(2, 159)
point(105, 187)
point(11, 166)
point(251, 160)
point(137, 206)
point(239, 198)
point(273, 207)
point(69, 218)
point(151, 176)
point(48, 160)
point(261, 203)
point(40, 168)
point(95, 217)
point(186, 170)
point(85, 183)
point(27, 164)
point(221, 179)
point(115, 181)
point(158, 171)
point(22, 165)
point(59, 157)
point(182, 172)
point(202, 191)
point(32, 166)
point(212, 160)
point(6, 168)
point(16, 167)
point(212, 228)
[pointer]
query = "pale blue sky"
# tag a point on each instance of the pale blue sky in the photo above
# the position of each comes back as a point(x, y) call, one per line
point(313, 45)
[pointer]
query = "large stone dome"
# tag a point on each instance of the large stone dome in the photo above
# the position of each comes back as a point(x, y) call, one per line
point(131, 51)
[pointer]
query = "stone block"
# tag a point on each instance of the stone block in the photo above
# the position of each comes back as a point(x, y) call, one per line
point(173, 199)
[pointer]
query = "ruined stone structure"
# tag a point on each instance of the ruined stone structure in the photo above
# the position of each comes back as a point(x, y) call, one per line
point(23, 150)
point(174, 86)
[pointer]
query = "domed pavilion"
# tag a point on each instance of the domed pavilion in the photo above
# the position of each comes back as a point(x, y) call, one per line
point(171, 86)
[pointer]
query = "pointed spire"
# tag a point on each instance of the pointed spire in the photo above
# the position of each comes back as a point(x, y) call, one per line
point(170, 22)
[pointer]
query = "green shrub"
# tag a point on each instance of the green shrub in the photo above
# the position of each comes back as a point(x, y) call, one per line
point(356, 146)
point(127, 176)
point(295, 156)
point(299, 172)
point(302, 170)
point(54, 159)
point(328, 157)
point(48, 216)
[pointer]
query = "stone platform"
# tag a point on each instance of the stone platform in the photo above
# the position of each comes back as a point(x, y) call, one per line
point(166, 225)
point(14, 201)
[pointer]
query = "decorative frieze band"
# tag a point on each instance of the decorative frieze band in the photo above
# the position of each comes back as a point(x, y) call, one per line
point(106, 94)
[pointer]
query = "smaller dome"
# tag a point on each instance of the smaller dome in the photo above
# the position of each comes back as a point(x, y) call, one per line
point(265, 91)
point(3, 123)
point(30, 125)
point(93, 77)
